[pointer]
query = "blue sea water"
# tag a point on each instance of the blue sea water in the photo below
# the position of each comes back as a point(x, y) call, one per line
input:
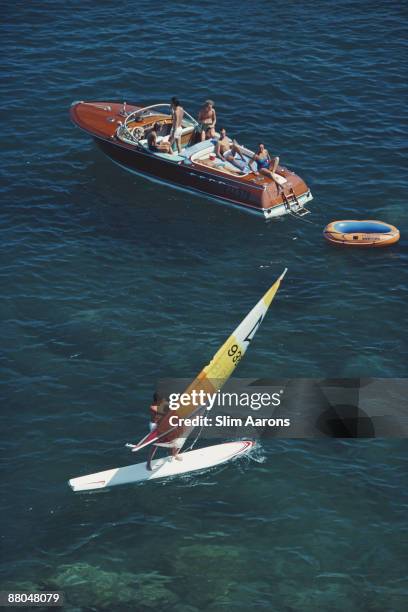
point(110, 282)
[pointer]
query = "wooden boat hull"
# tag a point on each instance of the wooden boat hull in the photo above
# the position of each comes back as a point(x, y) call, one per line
point(255, 195)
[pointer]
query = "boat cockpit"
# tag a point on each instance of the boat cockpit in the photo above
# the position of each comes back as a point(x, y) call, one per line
point(139, 123)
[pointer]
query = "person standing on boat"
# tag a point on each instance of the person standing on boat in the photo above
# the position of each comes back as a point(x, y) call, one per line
point(207, 118)
point(177, 112)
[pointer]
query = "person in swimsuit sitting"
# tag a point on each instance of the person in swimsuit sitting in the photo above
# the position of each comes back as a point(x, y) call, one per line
point(225, 150)
point(265, 165)
point(158, 147)
point(206, 118)
point(159, 127)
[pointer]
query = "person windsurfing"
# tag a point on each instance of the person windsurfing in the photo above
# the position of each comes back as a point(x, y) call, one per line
point(158, 409)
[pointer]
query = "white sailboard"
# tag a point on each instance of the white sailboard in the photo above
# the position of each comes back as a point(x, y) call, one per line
point(192, 461)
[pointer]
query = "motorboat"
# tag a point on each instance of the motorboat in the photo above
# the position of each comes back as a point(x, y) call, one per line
point(121, 131)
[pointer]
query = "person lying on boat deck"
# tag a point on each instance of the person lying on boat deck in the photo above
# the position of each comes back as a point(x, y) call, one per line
point(265, 165)
point(207, 118)
point(177, 112)
point(158, 147)
point(225, 150)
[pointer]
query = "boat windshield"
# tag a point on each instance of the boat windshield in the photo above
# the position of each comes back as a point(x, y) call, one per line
point(158, 109)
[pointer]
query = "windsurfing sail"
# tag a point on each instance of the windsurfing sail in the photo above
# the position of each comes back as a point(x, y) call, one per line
point(216, 373)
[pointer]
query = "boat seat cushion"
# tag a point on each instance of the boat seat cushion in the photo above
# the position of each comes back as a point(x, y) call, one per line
point(199, 147)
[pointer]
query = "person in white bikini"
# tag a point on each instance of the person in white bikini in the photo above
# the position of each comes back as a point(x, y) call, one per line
point(177, 112)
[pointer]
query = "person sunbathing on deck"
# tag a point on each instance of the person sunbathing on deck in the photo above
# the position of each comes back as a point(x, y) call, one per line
point(225, 150)
point(265, 165)
point(158, 147)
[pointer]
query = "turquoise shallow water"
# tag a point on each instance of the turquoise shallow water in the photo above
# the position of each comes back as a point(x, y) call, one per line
point(110, 282)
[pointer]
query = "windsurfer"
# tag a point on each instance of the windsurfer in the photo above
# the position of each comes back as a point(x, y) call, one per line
point(158, 409)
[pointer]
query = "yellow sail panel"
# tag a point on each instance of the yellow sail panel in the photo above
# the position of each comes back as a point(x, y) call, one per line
point(222, 366)
point(213, 376)
point(231, 352)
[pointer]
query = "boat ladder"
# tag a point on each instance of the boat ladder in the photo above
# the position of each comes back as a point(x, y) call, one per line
point(293, 205)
